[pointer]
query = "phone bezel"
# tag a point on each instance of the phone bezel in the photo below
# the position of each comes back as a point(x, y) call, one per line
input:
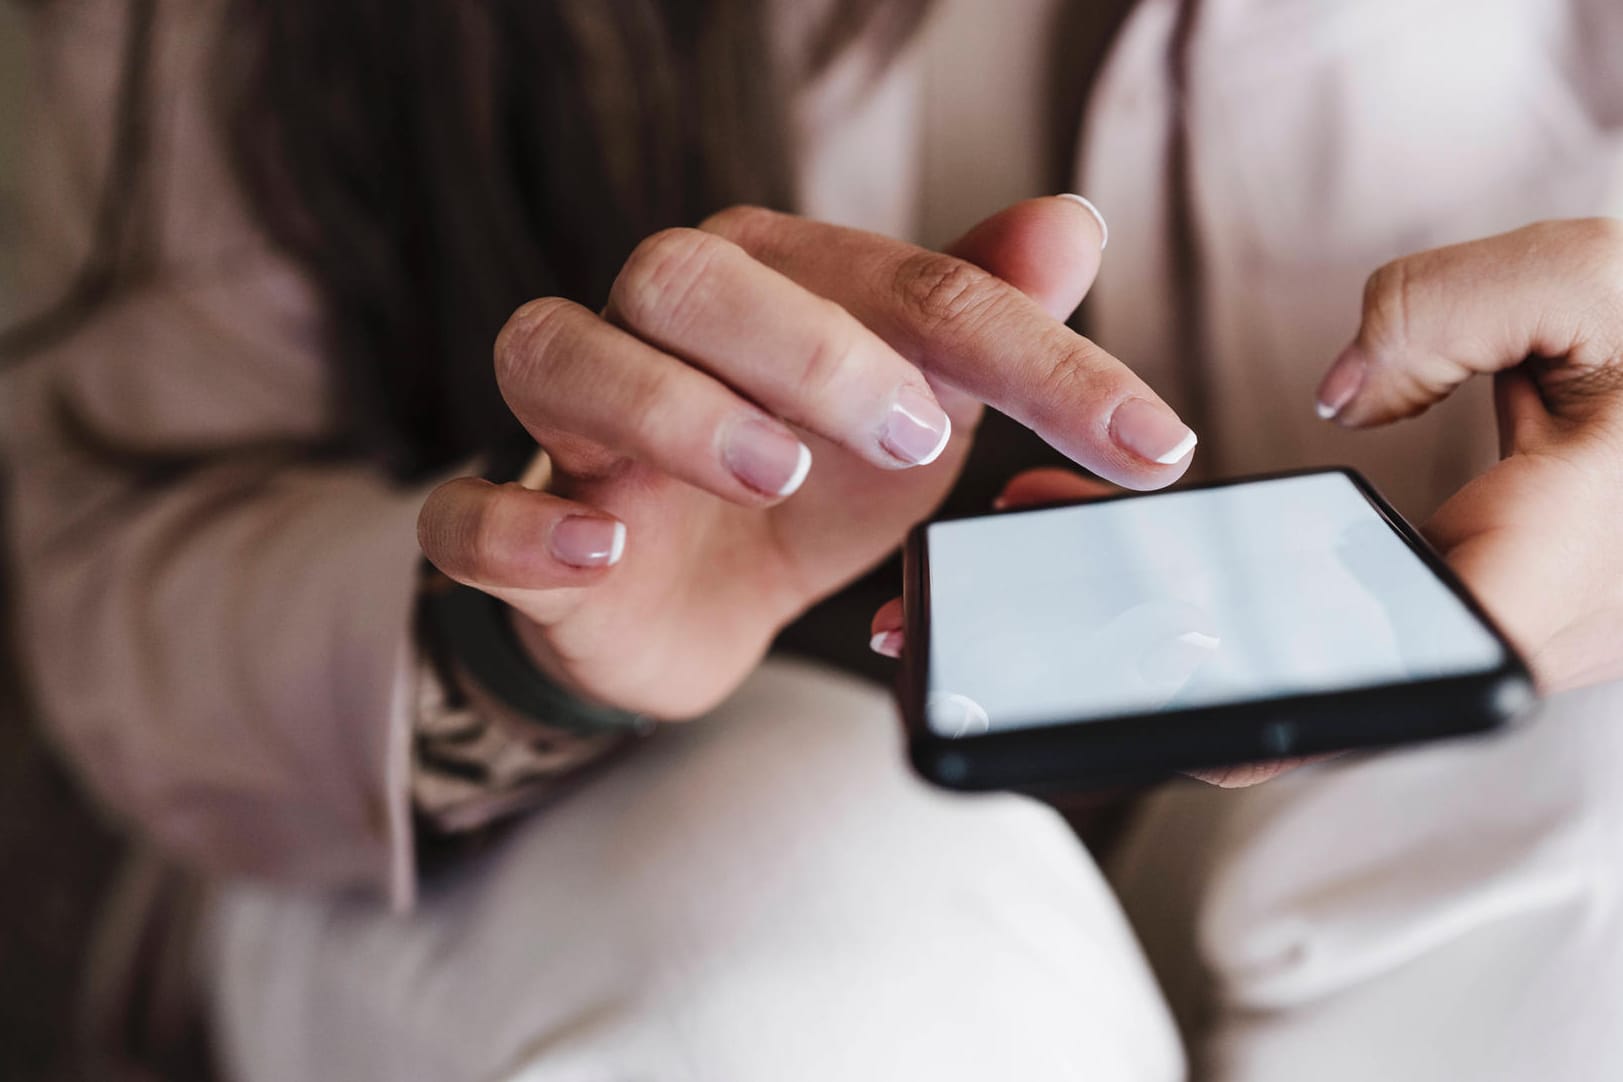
point(1141, 747)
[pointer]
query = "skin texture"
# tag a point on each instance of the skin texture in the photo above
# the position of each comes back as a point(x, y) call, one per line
point(1536, 537)
point(630, 403)
point(779, 321)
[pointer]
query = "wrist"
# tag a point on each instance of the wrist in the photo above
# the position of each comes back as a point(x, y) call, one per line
point(484, 639)
point(532, 639)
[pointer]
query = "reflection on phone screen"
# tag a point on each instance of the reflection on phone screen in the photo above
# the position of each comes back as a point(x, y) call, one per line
point(1249, 591)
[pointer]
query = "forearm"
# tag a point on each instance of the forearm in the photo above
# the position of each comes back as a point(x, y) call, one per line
point(224, 659)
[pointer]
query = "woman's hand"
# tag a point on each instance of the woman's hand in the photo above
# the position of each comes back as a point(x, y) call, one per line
point(765, 406)
point(1538, 538)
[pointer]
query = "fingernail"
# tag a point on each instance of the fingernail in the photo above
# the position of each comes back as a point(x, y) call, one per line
point(888, 643)
point(1151, 430)
point(917, 430)
point(1104, 226)
point(765, 456)
point(588, 541)
point(1342, 382)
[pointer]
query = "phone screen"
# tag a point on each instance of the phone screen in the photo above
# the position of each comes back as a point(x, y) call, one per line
point(1250, 591)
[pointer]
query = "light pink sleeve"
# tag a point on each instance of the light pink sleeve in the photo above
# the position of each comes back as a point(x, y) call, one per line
point(215, 621)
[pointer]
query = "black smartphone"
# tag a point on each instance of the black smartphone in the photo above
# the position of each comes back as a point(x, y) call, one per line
point(1122, 639)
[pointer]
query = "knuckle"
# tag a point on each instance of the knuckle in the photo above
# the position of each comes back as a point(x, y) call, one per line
point(832, 360)
point(1386, 304)
point(529, 337)
point(1077, 374)
point(658, 290)
point(941, 291)
point(648, 406)
point(646, 394)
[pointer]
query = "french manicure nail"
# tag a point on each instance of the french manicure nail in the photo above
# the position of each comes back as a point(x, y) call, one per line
point(888, 643)
point(587, 541)
point(1341, 384)
point(917, 430)
point(765, 456)
point(1104, 226)
point(1151, 430)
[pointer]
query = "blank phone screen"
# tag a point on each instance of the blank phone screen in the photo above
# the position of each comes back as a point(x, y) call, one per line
point(1249, 591)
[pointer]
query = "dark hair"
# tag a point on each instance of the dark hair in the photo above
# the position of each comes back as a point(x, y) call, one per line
point(432, 164)
point(116, 247)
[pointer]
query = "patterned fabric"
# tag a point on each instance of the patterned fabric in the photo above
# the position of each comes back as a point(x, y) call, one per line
point(474, 760)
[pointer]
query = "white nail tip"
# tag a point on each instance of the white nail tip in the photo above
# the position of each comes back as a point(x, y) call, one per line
point(1325, 410)
point(617, 547)
point(798, 478)
point(1185, 445)
point(946, 437)
point(877, 643)
point(1104, 226)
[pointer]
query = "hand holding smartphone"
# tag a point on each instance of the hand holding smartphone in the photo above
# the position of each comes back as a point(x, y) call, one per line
point(1129, 637)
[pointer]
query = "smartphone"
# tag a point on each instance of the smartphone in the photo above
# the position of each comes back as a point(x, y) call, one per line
point(1126, 638)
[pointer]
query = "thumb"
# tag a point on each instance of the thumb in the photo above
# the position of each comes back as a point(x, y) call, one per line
point(1048, 248)
point(1432, 321)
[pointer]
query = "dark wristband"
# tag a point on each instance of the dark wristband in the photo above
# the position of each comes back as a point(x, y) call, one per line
point(474, 632)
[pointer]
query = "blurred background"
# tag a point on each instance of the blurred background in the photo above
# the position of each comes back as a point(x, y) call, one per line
point(53, 875)
point(60, 860)
point(12, 75)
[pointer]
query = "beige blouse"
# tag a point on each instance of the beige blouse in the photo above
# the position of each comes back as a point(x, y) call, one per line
point(220, 640)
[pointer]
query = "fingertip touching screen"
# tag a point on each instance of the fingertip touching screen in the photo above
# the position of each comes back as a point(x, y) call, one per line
point(1256, 590)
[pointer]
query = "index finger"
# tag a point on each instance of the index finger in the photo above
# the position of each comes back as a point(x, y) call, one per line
point(966, 327)
point(1433, 320)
